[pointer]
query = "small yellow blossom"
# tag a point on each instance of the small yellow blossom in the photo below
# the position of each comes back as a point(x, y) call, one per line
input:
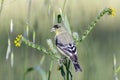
point(17, 44)
point(112, 11)
point(20, 36)
point(17, 41)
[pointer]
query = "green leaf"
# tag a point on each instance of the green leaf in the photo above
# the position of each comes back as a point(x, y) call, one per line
point(118, 69)
point(65, 21)
point(62, 71)
point(42, 60)
point(75, 36)
point(41, 72)
point(54, 18)
point(50, 44)
point(67, 25)
point(29, 70)
point(59, 17)
point(49, 74)
point(38, 69)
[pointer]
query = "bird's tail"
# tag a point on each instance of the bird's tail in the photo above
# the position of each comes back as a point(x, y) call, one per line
point(77, 66)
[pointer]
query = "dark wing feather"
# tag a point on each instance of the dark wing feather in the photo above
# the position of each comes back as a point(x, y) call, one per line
point(68, 49)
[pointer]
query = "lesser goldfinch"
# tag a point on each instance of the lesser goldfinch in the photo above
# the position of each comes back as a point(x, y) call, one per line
point(65, 44)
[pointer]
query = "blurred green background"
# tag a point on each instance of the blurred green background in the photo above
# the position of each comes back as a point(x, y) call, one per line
point(95, 52)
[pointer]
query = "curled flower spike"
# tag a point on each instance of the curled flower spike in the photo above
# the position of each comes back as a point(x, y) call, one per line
point(112, 11)
point(17, 41)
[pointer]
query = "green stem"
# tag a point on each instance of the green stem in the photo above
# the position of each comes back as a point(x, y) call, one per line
point(67, 69)
point(67, 66)
point(1, 7)
point(49, 74)
point(64, 5)
point(28, 12)
point(61, 68)
point(70, 75)
point(38, 47)
point(93, 24)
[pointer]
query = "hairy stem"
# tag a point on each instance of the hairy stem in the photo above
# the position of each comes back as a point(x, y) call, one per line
point(93, 24)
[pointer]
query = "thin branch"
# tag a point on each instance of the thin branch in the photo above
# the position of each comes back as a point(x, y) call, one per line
point(108, 11)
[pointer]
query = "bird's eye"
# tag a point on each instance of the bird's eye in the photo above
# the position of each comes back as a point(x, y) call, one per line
point(56, 26)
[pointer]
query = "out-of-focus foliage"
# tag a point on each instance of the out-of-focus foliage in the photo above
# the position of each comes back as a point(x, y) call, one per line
point(95, 53)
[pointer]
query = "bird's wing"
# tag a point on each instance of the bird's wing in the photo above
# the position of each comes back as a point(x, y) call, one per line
point(68, 49)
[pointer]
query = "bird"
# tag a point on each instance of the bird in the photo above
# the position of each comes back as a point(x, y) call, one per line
point(65, 44)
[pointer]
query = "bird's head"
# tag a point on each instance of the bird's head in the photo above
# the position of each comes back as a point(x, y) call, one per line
point(57, 29)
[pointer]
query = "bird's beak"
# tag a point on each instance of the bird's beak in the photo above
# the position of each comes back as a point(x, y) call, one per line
point(52, 30)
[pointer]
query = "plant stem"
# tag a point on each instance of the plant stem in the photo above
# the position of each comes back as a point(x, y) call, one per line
point(1, 6)
point(49, 73)
point(64, 5)
point(93, 24)
point(115, 67)
point(67, 66)
point(38, 47)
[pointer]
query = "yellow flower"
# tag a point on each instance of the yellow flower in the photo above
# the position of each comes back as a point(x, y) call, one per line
point(19, 36)
point(17, 41)
point(112, 11)
point(17, 44)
